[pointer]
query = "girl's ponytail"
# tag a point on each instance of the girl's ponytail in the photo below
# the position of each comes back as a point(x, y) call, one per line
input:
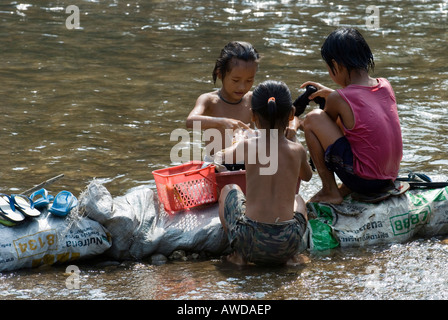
point(272, 111)
point(271, 100)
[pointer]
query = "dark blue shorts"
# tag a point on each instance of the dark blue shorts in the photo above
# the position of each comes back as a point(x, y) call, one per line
point(339, 159)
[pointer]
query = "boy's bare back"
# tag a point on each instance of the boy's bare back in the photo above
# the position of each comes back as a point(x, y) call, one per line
point(271, 198)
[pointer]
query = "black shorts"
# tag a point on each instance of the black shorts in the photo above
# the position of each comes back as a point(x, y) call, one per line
point(339, 159)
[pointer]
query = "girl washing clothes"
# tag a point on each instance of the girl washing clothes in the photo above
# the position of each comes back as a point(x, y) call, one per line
point(269, 224)
point(229, 106)
point(358, 134)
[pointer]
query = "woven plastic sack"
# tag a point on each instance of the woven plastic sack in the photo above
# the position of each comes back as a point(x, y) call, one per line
point(395, 220)
point(50, 240)
point(140, 227)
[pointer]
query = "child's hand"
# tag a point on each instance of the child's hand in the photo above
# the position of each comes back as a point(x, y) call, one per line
point(243, 134)
point(233, 124)
point(290, 134)
point(300, 126)
point(322, 91)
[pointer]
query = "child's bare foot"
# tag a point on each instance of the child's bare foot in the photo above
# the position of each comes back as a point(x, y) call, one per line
point(298, 260)
point(322, 196)
point(237, 259)
point(344, 190)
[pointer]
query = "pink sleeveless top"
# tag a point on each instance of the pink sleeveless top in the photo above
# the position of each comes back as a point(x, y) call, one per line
point(376, 136)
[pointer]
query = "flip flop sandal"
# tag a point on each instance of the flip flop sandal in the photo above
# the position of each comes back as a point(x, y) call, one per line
point(63, 203)
point(371, 197)
point(422, 181)
point(41, 198)
point(8, 211)
point(25, 205)
point(400, 188)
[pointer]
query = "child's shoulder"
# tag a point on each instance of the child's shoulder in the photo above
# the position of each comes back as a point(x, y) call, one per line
point(248, 95)
point(208, 100)
point(209, 96)
point(336, 100)
point(292, 148)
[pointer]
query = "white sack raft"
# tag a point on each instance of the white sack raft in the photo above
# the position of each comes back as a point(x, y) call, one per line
point(49, 239)
point(134, 226)
point(395, 220)
point(139, 228)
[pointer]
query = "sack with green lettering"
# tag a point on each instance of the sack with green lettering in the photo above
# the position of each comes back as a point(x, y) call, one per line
point(395, 220)
point(49, 239)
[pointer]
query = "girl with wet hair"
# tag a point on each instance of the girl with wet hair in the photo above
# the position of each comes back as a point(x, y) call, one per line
point(347, 47)
point(358, 134)
point(229, 106)
point(236, 49)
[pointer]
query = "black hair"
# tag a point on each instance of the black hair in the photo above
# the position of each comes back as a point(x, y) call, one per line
point(234, 49)
point(349, 48)
point(272, 101)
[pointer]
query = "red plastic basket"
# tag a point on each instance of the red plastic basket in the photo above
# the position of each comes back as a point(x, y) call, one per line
point(186, 186)
point(231, 177)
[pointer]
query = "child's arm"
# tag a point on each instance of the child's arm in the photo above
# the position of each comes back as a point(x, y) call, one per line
point(199, 114)
point(305, 169)
point(339, 111)
point(208, 122)
point(292, 128)
point(322, 91)
point(232, 154)
point(335, 106)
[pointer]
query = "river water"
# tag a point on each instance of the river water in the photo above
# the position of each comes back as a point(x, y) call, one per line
point(100, 101)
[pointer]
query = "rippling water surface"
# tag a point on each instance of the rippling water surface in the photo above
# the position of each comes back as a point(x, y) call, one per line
point(101, 101)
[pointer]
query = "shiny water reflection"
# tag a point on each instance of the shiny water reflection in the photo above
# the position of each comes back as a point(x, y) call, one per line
point(101, 101)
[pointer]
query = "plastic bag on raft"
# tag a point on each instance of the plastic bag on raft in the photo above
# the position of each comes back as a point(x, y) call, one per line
point(49, 240)
point(140, 227)
point(395, 220)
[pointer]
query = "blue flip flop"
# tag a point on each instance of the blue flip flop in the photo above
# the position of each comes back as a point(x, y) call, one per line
point(63, 203)
point(41, 198)
point(8, 211)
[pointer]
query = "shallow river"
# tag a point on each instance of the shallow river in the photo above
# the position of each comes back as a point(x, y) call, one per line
point(100, 101)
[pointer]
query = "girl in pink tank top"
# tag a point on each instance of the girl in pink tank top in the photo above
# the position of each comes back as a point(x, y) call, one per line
point(375, 138)
point(358, 135)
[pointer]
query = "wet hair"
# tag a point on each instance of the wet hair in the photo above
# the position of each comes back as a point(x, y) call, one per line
point(349, 48)
point(272, 101)
point(234, 49)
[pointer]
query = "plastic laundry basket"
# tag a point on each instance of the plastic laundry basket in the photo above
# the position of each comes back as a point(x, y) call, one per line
point(186, 186)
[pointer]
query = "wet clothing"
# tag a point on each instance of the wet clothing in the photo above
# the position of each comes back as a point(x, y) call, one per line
point(375, 139)
point(263, 243)
point(339, 159)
